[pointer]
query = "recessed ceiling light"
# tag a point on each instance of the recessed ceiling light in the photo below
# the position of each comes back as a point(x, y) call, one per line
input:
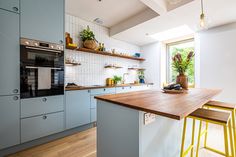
point(173, 33)
point(173, 2)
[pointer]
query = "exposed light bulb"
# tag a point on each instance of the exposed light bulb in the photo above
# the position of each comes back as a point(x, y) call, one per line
point(202, 20)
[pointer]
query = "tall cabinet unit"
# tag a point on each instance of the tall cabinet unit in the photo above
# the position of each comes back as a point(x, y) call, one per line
point(9, 79)
point(43, 20)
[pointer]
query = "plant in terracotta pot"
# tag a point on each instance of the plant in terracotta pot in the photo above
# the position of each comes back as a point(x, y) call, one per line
point(88, 38)
point(181, 65)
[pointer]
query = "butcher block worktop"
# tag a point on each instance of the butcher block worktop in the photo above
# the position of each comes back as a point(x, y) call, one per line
point(175, 106)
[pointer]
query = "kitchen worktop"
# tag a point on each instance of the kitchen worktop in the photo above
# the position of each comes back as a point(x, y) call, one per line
point(101, 86)
point(175, 106)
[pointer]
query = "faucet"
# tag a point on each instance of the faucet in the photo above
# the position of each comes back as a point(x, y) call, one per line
point(123, 81)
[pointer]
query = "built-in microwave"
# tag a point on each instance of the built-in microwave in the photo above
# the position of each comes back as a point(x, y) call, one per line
point(41, 69)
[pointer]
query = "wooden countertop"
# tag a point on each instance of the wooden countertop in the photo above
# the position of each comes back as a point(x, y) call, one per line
point(175, 106)
point(96, 87)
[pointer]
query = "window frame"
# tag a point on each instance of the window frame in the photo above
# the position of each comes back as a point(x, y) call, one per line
point(168, 58)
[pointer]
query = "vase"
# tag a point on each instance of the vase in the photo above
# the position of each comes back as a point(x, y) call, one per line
point(90, 44)
point(182, 80)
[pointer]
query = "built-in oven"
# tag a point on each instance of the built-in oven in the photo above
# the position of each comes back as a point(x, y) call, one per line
point(41, 69)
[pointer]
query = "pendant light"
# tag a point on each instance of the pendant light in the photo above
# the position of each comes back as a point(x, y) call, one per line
point(202, 17)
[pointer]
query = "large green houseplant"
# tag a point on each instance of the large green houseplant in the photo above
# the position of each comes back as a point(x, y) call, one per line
point(181, 64)
point(88, 38)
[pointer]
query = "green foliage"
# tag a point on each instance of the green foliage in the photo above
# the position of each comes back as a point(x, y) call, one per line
point(87, 34)
point(186, 66)
point(117, 79)
point(141, 74)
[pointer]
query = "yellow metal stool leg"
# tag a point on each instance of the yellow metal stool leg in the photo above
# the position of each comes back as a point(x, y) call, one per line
point(199, 138)
point(231, 138)
point(205, 140)
point(183, 137)
point(226, 141)
point(193, 136)
point(234, 130)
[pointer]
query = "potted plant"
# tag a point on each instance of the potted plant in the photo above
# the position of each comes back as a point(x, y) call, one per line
point(141, 76)
point(117, 79)
point(88, 38)
point(181, 64)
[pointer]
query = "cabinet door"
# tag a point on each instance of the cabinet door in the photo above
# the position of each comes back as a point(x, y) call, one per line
point(10, 5)
point(9, 53)
point(9, 121)
point(77, 108)
point(40, 126)
point(43, 20)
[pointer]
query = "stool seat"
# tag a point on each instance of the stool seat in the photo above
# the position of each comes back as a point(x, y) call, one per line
point(217, 116)
point(221, 104)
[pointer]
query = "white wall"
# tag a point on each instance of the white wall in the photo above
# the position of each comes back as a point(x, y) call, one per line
point(152, 54)
point(218, 61)
point(92, 71)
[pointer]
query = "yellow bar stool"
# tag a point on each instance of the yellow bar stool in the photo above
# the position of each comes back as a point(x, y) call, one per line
point(210, 116)
point(225, 107)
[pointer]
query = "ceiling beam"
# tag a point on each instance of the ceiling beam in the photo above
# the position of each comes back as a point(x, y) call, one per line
point(159, 6)
point(142, 17)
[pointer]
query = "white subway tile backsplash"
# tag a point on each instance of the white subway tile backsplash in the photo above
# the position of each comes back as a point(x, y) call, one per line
point(92, 71)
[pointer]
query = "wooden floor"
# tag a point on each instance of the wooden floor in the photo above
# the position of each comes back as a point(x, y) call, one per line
point(84, 145)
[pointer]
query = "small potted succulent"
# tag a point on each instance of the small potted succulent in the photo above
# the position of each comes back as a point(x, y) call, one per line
point(88, 38)
point(181, 64)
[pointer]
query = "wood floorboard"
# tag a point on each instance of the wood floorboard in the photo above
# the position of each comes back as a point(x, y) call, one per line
point(83, 144)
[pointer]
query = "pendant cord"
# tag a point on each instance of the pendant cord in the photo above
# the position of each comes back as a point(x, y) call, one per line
point(202, 6)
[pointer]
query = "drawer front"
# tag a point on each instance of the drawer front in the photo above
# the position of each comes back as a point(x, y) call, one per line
point(122, 89)
point(93, 115)
point(101, 91)
point(42, 105)
point(10, 5)
point(40, 126)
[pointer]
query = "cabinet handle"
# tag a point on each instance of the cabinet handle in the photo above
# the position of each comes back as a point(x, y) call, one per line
point(15, 91)
point(88, 91)
point(45, 117)
point(44, 99)
point(123, 87)
point(61, 41)
point(104, 89)
point(15, 98)
point(15, 9)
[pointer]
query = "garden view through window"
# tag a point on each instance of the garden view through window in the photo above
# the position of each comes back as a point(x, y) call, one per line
point(182, 47)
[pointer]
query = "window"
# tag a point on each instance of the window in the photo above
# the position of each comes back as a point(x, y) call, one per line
point(183, 47)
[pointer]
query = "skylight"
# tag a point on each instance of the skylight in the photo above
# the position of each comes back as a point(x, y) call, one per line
point(173, 33)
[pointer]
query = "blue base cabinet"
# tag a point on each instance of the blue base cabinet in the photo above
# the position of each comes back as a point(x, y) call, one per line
point(43, 20)
point(77, 108)
point(9, 121)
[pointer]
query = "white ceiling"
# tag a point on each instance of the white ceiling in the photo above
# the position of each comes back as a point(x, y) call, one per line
point(218, 12)
point(110, 12)
point(116, 13)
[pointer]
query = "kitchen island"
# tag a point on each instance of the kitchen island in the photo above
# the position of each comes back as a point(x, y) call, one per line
point(126, 129)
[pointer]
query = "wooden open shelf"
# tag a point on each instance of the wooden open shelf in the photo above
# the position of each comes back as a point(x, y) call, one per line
point(139, 69)
point(113, 67)
point(74, 64)
point(108, 54)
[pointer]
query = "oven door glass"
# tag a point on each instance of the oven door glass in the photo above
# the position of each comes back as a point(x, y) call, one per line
point(41, 57)
point(41, 81)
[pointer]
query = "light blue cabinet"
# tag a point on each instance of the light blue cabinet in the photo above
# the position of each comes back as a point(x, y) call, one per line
point(10, 5)
point(9, 53)
point(40, 126)
point(41, 105)
point(77, 108)
point(43, 20)
point(9, 121)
